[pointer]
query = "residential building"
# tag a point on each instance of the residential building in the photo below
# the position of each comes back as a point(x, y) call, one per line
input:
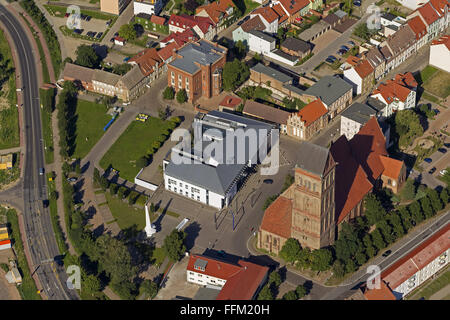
point(283, 57)
point(106, 83)
point(402, 44)
point(389, 19)
point(262, 75)
point(269, 17)
point(296, 47)
point(381, 293)
point(152, 22)
point(212, 179)
point(167, 53)
point(261, 42)
point(394, 96)
point(119, 41)
point(315, 31)
point(420, 30)
point(4, 234)
point(354, 117)
point(148, 6)
point(419, 265)
point(267, 113)
point(434, 15)
point(197, 68)
point(230, 102)
point(335, 94)
point(81, 76)
point(180, 38)
point(294, 9)
point(236, 281)
point(377, 61)
point(113, 6)
point(219, 12)
point(411, 4)
point(394, 173)
point(5, 245)
point(308, 121)
point(203, 27)
point(305, 211)
point(361, 76)
point(440, 53)
point(241, 32)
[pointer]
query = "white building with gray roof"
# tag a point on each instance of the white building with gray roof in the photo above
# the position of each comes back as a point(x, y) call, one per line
point(212, 172)
point(260, 42)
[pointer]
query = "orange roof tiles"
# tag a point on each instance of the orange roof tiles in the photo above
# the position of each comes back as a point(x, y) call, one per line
point(267, 13)
point(417, 259)
point(392, 167)
point(384, 293)
point(418, 27)
point(181, 37)
point(312, 112)
point(391, 91)
point(230, 101)
point(146, 60)
point(158, 20)
point(277, 218)
point(281, 13)
point(353, 60)
point(428, 13)
point(166, 52)
point(363, 68)
point(406, 79)
point(216, 10)
point(293, 8)
point(214, 268)
point(442, 40)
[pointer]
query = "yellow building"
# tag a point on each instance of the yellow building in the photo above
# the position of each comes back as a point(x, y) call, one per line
point(113, 6)
point(6, 161)
point(4, 235)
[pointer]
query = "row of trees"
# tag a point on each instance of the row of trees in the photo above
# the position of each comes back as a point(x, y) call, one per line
point(5, 69)
point(169, 94)
point(270, 290)
point(67, 105)
point(234, 74)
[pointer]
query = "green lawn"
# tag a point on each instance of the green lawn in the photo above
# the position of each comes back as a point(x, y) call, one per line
point(54, 216)
point(126, 216)
point(429, 97)
point(158, 255)
point(134, 143)
point(438, 84)
point(432, 287)
point(91, 119)
point(9, 116)
point(47, 133)
point(426, 73)
point(250, 5)
point(28, 289)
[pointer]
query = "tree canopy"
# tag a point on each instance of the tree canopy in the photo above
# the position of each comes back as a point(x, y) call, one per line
point(174, 245)
point(290, 252)
point(234, 74)
point(87, 57)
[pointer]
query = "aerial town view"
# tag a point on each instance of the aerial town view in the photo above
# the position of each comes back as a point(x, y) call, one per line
point(199, 150)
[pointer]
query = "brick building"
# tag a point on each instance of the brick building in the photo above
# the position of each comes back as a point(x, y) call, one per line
point(308, 121)
point(197, 68)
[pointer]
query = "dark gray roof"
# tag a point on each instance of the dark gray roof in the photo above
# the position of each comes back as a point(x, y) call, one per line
point(340, 14)
point(206, 293)
point(375, 104)
point(312, 158)
point(144, 15)
point(296, 45)
point(331, 18)
point(329, 89)
point(359, 112)
point(294, 89)
point(271, 72)
point(314, 30)
point(132, 77)
point(388, 16)
point(284, 55)
point(202, 52)
point(262, 35)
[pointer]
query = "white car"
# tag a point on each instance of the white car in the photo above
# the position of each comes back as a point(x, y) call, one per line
point(443, 172)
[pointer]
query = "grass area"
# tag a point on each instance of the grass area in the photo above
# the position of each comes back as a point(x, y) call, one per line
point(429, 97)
point(426, 74)
point(134, 143)
point(9, 115)
point(158, 256)
point(60, 240)
point(432, 287)
point(60, 11)
point(250, 5)
point(126, 216)
point(438, 84)
point(91, 119)
point(47, 131)
point(28, 289)
point(10, 175)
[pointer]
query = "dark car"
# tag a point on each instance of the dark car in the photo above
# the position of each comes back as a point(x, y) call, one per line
point(332, 58)
point(116, 34)
point(268, 181)
point(428, 160)
point(357, 3)
point(78, 31)
point(99, 35)
point(240, 22)
point(88, 18)
point(111, 40)
point(345, 48)
point(447, 145)
point(45, 203)
point(387, 253)
point(72, 179)
point(351, 43)
point(246, 18)
point(341, 52)
point(436, 111)
point(432, 170)
point(442, 150)
point(93, 33)
point(329, 60)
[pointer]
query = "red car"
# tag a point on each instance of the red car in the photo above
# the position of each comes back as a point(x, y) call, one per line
point(66, 15)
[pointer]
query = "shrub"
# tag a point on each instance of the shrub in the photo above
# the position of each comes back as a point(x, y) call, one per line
point(168, 93)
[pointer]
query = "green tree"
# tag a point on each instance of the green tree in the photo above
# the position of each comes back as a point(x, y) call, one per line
point(396, 222)
point(265, 293)
point(350, 266)
point(290, 295)
point(132, 197)
point(91, 284)
point(338, 269)
point(121, 69)
point(142, 162)
point(361, 30)
point(374, 210)
point(168, 93)
point(104, 183)
point(275, 278)
point(386, 231)
point(300, 291)
point(240, 49)
point(377, 239)
point(113, 188)
point(149, 288)
point(407, 126)
point(182, 96)
point(87, 57)
point(409, 190)
point(368, 246)
point(234, 74)
point(427, 209)
point(321, 259)
point(54, 195)
point(444, 196)
point(122, 192)
point(290, 251)
point(435, 200)
point(416, 212)
point(406, 218)
point(360, 258)
point(174, 245)
point(128, 31)
point(304, 258)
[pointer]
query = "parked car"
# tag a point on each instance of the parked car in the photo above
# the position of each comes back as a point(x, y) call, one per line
point(432, 170)
point(88, 18)
point(73, 179)
point(436, 111)
point(447, 145)
point(357, 3)
point(329, 60)
point(442, 150)
point(443, 172)
point(111, 40)
point(78, 31)
point(351, 43)
point(126, 59)
point(45, 203)
point(428, 160)
point(67, 15)
point(99, 35)
point(344, 47)
point(41, 171)
point(388, 252)
point(268, 181)
point(116, 34)
point(341, 52)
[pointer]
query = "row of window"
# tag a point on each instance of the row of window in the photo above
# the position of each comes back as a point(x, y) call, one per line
point(175, 189)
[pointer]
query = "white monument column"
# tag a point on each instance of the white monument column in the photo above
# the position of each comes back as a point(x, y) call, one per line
point(149, 227)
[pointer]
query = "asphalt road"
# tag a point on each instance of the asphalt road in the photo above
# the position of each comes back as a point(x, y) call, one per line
point(38, 227)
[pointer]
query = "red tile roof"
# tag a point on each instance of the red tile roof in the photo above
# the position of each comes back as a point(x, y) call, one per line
point(352, 184)
point(242, 279)
point(158, 20)
point(417, 259)
point(166, 52)
point(384, 293)
point(367, 147)
point(277, 218)
point(204, 23)
point(442, 40)
point(391, 91)
point(353, 60)
point(147, 60)
point(281, 13)
point(216, 9)
point(406, 79)
point(245, 283)
point(119, 39)
point(181, 37)
point(439, 5)
point(312, 112)
point(418, 27)
point(267, 13)
point(230, 101)
point(363, 68)
point(5, 242)
point(392, 167)
point(428, 13)
point(293, 8)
